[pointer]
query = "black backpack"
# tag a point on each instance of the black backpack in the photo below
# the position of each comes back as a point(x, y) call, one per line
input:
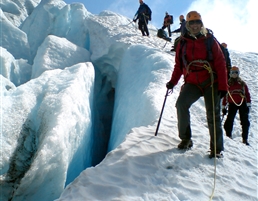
point(149, 12)
point(209, 43)
point(162, 34)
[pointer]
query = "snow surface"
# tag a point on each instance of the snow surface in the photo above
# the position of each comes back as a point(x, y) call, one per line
point(81, 96)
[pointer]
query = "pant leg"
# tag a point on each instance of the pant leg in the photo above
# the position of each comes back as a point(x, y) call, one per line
point(212, 104)
point(228, 125)
point(169, 31)
point(141, 26)
point(146, 27)
point(188, 95)
point(244, 119)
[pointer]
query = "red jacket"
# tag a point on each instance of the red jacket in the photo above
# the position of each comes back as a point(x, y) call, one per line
point(238, 90)
point(195, 49)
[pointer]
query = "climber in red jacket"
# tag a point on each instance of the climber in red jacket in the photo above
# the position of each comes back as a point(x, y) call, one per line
point(202, 78)
point(237, 99)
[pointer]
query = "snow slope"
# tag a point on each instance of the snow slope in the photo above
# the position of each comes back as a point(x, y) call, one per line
point(78, 88)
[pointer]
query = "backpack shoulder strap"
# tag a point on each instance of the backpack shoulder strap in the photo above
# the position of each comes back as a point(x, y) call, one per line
point(182, 51)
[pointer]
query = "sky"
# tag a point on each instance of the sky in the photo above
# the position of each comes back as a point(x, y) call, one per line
point(62, 112)
point(230, 20)
point(129, 8)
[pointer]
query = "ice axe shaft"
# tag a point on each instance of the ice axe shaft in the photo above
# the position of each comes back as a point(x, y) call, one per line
point(156, 133)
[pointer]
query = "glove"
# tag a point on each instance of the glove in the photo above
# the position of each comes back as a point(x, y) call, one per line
point(134, 20)
point(169, 85)
point(222, 93)
point(224, 111)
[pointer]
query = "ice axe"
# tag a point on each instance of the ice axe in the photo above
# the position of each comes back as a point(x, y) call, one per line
point(162, 112)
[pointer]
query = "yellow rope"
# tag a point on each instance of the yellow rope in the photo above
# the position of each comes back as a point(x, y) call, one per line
point(234, 100)
point(215, 144)
point(207, 66)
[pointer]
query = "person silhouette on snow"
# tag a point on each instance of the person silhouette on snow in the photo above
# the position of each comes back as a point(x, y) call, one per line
point(143, 15)
point(182, 25)
point(168, 20)
point(191, 62)
point(237, 99)
point(227, 57)
point(181, 30)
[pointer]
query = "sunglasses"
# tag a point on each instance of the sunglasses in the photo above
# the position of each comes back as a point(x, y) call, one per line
point(192, 22)
point(234, 72)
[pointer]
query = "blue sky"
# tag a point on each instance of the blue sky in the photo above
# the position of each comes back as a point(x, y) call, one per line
point(129, 7)
point(230, 20)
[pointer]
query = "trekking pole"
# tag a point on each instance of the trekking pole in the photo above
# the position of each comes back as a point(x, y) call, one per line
point(164, 45)
point(144, 17)
point(161, 112)
point(146, 24)
point(129, 23)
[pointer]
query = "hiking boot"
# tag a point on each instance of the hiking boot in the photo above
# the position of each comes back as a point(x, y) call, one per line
point(245, 142)
point(185, 144)
point(218, 154)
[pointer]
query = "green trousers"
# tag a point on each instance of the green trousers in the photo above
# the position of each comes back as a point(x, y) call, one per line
point(191, 93)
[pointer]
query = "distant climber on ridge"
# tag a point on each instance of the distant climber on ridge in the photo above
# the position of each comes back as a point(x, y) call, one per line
point(182, 25)
point(143, 15)
point(181, 30)
point(168, 20)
